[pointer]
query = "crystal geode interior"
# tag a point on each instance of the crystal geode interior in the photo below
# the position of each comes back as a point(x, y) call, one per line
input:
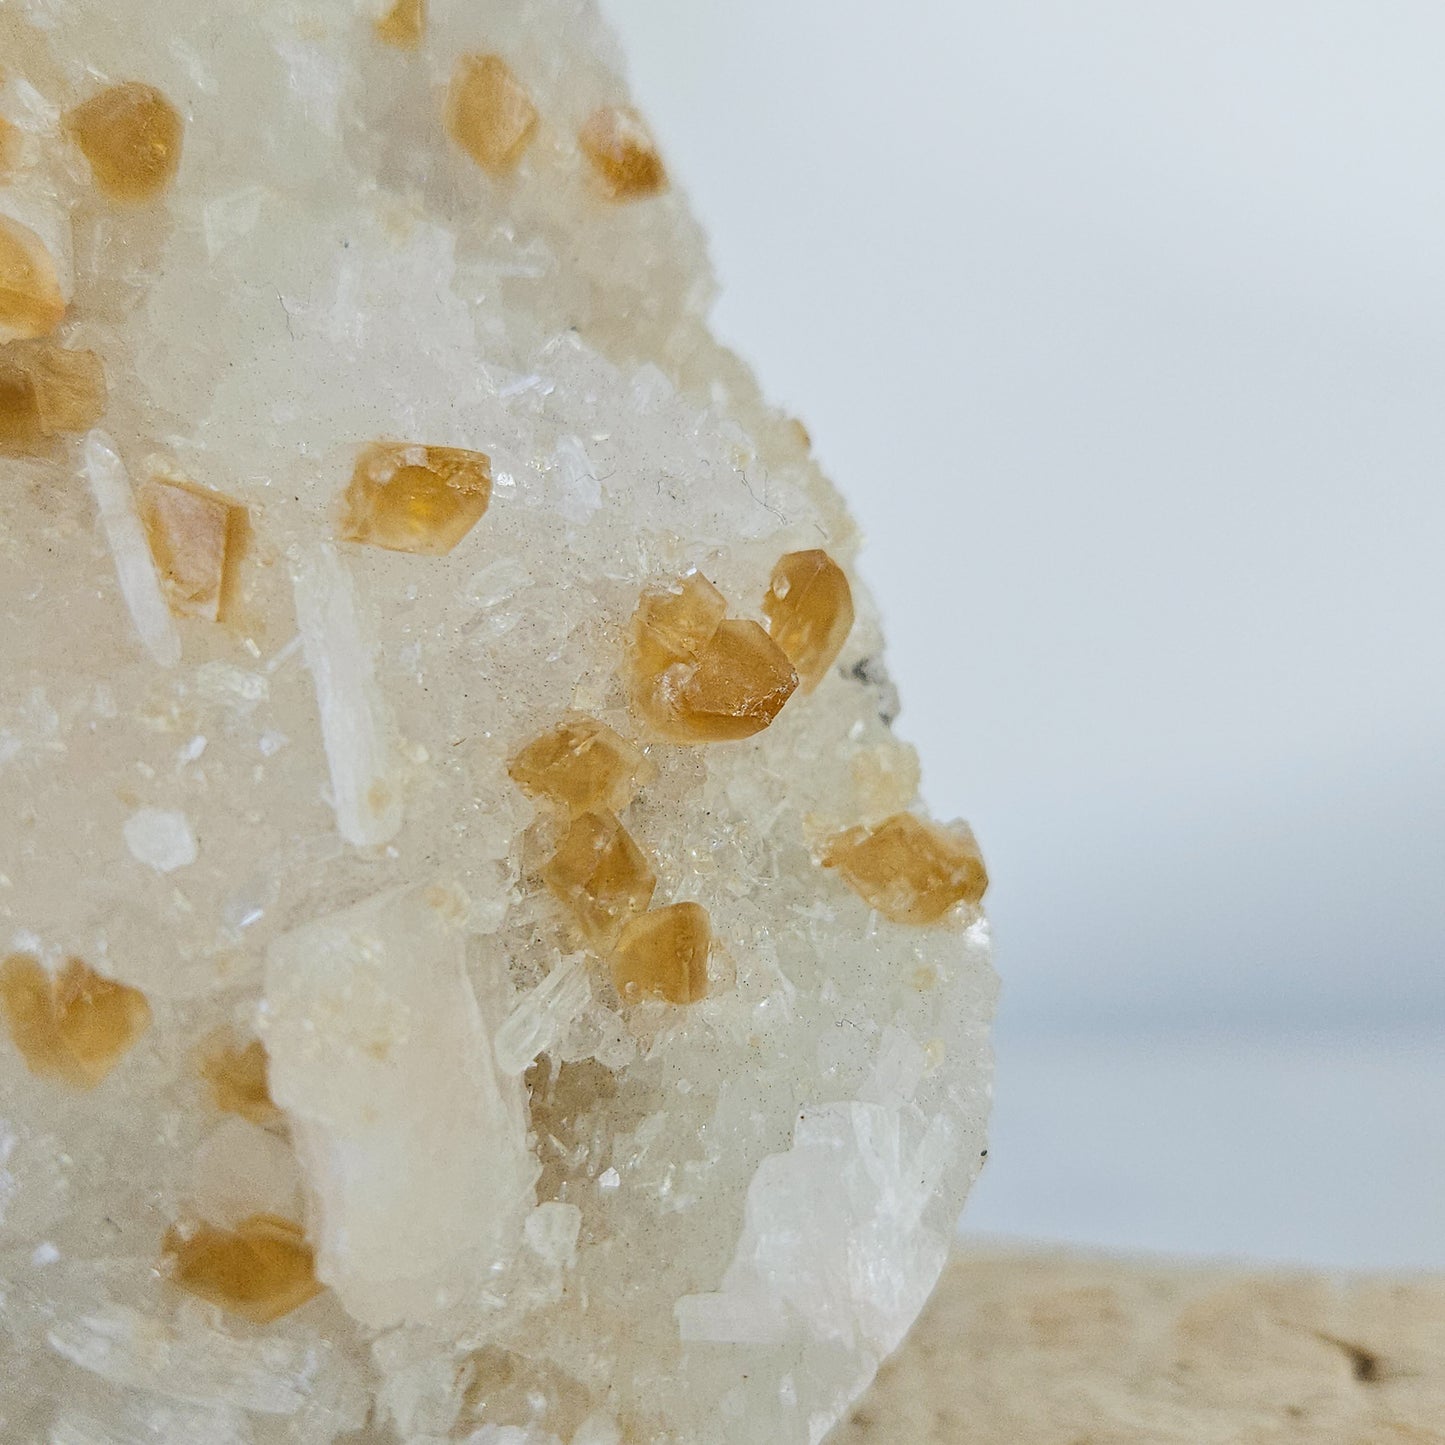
point(473, 963)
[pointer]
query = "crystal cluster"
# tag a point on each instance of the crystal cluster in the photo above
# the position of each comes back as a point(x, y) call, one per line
point(473, 962)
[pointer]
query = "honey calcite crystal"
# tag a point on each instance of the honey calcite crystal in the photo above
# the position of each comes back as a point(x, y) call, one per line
point(131, 135)
point(476, 967)
point(910, 869)
point(194, 537)
point(582, 764)
point(73, 1027)
point(810, 611)
point(47, 392)
point(699, 675)
point(31, 301)
point(261, 1270)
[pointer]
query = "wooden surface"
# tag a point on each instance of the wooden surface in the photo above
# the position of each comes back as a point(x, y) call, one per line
point(1020, 1349)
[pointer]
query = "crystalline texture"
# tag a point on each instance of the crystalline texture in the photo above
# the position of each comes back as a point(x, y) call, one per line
point(134, 566)
point(260, 1270)
point(663, 954)
point(541, 1017)
point(420, 499)
point(623, 154)
point(700, 676)
point(737, 687)
point(601, 876)
point(524, 1000)
point(489, 114)
point(352, 713)
point(582, 765)
point(75, 1027)
point(46, 391)
point(238, 1075)
point(194, 536)
point(131, 135)
point(396, 1085)
point(31, 303)
point(198, 1364)
point(810, 611)
point(860, 1173)
point(908, 868)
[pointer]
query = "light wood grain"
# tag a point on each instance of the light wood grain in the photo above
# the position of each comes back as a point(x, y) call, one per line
point(1019, 1349)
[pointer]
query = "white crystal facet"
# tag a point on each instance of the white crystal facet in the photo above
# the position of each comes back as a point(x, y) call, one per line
point(200, 1365)
point(834, 1240)
point(352, 714)
point(541, 1016)
point(160, 838)
point(134, 568)
point(413, 1144)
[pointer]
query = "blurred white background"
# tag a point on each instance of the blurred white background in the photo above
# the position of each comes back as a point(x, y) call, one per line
point(1122, 327)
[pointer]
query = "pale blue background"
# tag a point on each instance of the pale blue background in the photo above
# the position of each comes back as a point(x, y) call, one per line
point(1122, 326)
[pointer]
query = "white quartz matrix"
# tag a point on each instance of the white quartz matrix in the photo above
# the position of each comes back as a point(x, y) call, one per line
point(538, 1214)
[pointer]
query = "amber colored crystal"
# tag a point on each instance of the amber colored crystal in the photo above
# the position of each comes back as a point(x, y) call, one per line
point(601, 875)
point(194, 536)
point(909, 869)
point(809, 608)
point(131, 135)
point(582, 764)
point(411, 498)
point(738, 686)
point(261, 1270)
point(30, 301)
point(75, 1027)
point(663, 954)
point(675, 623)
point(403, 24)
point(489, 114)
point(623, 154)
point(698, 676)
point(238, 1078)
point(45, 391)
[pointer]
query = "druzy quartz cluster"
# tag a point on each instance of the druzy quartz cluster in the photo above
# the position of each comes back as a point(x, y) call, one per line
point(474, 965)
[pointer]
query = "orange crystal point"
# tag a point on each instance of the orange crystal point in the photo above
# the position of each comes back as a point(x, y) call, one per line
point(582, 764)
point(663, 954)
point(31, 304)
point(489, 114)
point(809, 608)
point(909, 869)
point(131, 135)
point(740, 683)
point(698, 676)
point(623, 154)
point(261, 1270)
point(403, 24)
point(194, 536)
point(601, 875)
point(411, 498)
point(45, 391)
point(238, 1075)
point(75, 1027)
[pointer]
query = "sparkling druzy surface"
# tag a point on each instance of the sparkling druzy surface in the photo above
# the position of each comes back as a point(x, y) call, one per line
point(475, 963)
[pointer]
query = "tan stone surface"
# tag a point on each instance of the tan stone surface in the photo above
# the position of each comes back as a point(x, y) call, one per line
point(1068, 1350)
